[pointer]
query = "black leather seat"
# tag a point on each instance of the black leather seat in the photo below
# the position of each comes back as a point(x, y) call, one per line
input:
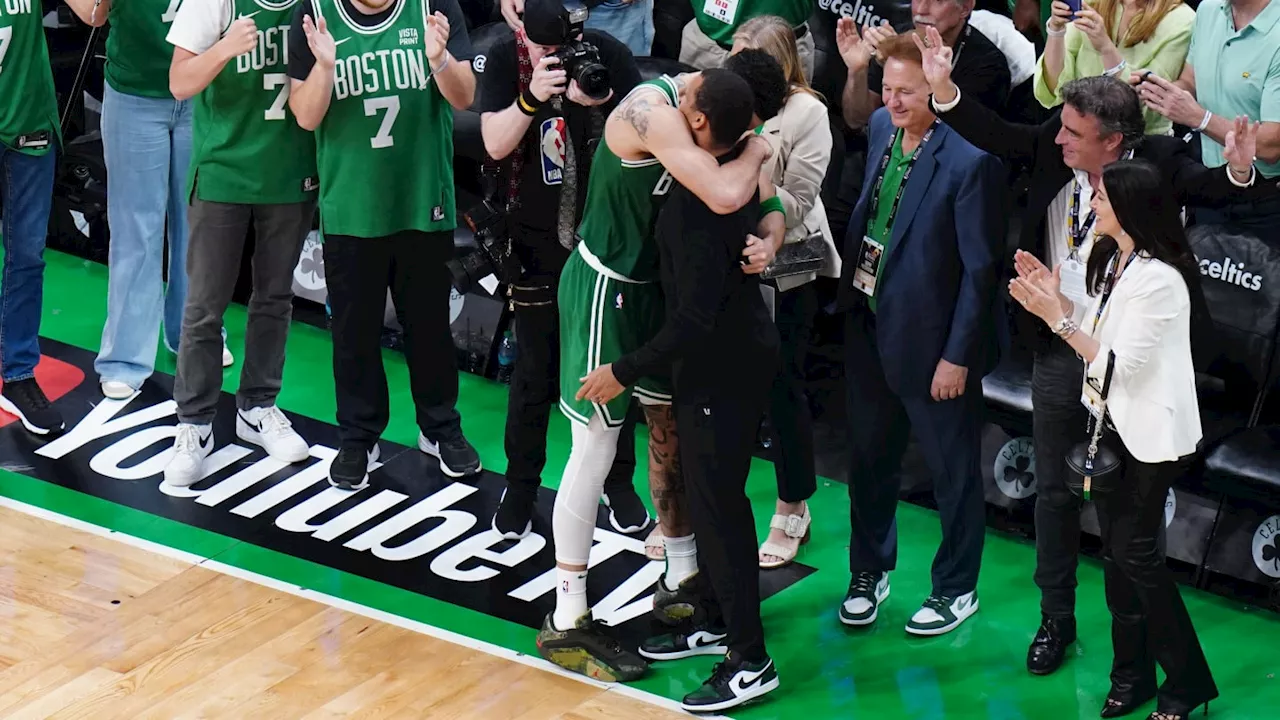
point(1246, 465)
point(1007, 391)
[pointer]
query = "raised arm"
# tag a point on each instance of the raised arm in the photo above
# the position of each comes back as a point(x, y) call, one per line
point(311, 88)
point(663, 132)
point(193, 68)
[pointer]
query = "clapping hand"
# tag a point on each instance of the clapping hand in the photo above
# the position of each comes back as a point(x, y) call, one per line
point(437, 39)
point(1241, 146)
point(320, 42)
point(1031, 270)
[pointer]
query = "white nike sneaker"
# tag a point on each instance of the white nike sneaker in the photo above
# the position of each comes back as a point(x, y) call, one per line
point(227, 358)
point(116, 390)
point(192, 445)
point(941, 614)
point(867, 591)
point(269, 429)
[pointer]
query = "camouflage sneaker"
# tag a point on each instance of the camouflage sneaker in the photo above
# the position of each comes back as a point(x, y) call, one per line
point(672, 607)
point(588, 650)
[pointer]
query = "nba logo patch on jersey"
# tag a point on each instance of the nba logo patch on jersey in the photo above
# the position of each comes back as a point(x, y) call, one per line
point(552, 142)
point(617, 301)
point(309, 184)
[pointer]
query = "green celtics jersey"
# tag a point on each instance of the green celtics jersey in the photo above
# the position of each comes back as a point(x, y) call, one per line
point(248, 148)
point(719, 19)
point(623, 200)
point(138, 56)
point(28, 105)
point(385, 147)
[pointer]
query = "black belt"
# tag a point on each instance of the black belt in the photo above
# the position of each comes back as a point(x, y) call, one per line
point(800, 31)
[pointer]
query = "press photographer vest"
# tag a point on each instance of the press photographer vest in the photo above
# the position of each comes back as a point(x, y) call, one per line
point(27, 100)
point(623, 200)
point(385, 147)
point(247, 146)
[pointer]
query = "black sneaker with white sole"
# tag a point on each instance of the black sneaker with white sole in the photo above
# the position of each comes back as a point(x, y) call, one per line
point(678, 645)
point(513, 519)
point(862, 603)
point(457, 457)
point(350, 469)
point(25, 400)
point(627, 513)
point(732, 683)
point(941, 614)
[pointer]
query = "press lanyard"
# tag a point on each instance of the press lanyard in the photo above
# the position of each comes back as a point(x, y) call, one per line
point(1113, 276)
point(906, 175)
point(1077, 231)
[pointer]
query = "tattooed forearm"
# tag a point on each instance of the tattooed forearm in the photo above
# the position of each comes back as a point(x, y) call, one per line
point(635, 110)
point(666, 480)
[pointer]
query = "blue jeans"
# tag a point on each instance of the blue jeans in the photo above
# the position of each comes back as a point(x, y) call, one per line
point(26, 196)
point(630, 23)
point(146, 144)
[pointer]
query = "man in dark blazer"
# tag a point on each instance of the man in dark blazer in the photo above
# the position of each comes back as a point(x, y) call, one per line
point(920, 286)
point(1100, 122)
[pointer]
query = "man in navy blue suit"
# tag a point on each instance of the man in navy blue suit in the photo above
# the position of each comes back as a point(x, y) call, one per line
point(920, 286)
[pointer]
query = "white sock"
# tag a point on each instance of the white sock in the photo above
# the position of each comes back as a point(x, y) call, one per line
point(682, 560)
point(571, 597)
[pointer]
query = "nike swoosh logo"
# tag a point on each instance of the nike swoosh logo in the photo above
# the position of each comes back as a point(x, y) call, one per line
point(744, 680)
point(255, 12)
point(702, 638)
point(336, 43)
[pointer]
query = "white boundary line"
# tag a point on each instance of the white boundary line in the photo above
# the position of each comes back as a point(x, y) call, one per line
point(348, 606)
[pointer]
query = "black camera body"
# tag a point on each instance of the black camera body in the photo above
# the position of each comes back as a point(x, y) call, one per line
point(581, 60)
point(493, 254)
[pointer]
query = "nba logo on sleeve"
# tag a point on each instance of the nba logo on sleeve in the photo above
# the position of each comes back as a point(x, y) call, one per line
point(552, 143)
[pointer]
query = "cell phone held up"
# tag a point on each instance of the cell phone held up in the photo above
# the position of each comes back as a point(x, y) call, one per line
point(1076, 6)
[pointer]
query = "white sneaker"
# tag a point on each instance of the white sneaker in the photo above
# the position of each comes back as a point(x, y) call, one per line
point(115, 390)
point(227, 358)
point(940, 614)
point(190, 448)
point(269, 429)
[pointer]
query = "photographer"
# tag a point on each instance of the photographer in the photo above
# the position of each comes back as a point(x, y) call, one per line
point(535, 112)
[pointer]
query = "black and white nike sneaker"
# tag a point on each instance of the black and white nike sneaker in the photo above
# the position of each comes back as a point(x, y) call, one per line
point(732, 683)
point(941, 614)
point(627, 513)
point(350, 469)
point(588, 649)
point(457, 457)
point(678, 645)
point(672, 607)
point(862, 603)
point(191, 446)
point(25, 400)
point(513, 519)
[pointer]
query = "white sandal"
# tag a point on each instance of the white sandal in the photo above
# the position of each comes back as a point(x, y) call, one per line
point(654, 548)
point(796, 527)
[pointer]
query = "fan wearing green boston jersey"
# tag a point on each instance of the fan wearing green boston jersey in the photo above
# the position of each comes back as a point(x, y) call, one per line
point(29, 136)
point(610, 306)
point(252, 163)
point(378, 80)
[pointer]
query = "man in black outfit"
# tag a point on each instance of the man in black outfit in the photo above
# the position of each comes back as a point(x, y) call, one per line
point(722, 350)
point(1100, 122)
point(534, 147)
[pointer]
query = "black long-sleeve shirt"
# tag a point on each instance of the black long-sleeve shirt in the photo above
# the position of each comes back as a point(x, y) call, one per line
point(716, 320)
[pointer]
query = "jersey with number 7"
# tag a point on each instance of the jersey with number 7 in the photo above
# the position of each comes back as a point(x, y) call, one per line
point(385, 146)
point(247, 147)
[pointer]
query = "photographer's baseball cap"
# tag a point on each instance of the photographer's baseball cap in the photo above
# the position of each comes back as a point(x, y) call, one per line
point(546, 22)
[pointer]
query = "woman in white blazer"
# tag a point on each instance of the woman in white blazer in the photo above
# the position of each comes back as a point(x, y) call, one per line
point(800, 135)
point(1140, 271)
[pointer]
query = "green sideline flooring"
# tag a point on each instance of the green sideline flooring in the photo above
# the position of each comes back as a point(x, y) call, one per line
point(827, 671)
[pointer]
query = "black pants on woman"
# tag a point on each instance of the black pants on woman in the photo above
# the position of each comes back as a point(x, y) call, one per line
point(1149, 622)
point(789, 413)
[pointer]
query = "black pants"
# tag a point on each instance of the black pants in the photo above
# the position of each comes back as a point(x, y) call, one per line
point(880, 423)
point(535, 390)
point(1149, 622)
point(717, 428)
point(1058, 422)
point(792, 421)
point(358, 272)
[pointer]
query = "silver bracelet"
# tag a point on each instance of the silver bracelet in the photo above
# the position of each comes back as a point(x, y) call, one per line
point(1065, 328)
point(1048, 28)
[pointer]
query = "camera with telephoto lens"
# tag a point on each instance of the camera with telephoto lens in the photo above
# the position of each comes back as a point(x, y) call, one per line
point(493, 254)
point(581, 60)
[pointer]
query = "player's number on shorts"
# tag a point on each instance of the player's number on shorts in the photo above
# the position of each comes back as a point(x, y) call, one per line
point(172, 12)
point(664, 184)
point(6, 36)
point(392, 105)
point(271, 81)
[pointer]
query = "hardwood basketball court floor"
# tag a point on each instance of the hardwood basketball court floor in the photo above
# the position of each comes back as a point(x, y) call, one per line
point(260, 593)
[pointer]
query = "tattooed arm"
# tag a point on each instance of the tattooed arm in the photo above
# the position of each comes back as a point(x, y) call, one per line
point(644, 125)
